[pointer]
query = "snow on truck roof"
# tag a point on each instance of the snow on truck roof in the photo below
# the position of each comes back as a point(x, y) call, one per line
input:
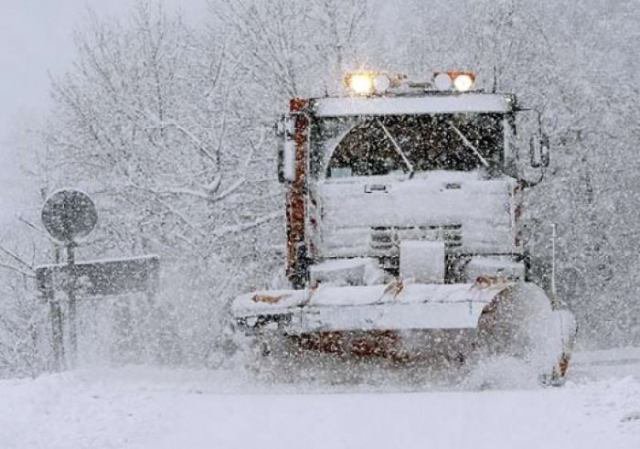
point(424, 104)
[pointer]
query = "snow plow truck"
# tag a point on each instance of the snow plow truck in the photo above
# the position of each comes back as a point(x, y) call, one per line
point(404, 206)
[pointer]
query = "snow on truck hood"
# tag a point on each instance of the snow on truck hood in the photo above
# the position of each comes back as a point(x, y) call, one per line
point(416, 201)
point(426, 104)
point(480, 208)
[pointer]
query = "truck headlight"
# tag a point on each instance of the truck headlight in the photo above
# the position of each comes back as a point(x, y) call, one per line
point(367, 83)
point(442, 81)
point(360, 83)
point(459, 81)
point(381, 83)
point(463, 82)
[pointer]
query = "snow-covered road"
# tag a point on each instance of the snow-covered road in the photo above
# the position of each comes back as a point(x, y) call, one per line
point(155, 408)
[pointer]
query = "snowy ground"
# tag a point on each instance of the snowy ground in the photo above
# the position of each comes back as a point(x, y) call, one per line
point(138, 407)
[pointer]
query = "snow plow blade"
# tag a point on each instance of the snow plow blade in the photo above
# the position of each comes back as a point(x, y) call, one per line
point(366, 308)
point(402, 322)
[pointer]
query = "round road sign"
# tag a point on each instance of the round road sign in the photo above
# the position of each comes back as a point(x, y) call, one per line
point(68, 215)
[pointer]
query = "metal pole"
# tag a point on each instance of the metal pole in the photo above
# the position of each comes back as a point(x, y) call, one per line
point(553, 263)
point(47, 291)
point(57, 336)
point(73, 328)
point(57, 321)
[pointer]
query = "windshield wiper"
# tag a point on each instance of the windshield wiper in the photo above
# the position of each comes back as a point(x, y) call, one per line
point(397, 148)
point(468, 144)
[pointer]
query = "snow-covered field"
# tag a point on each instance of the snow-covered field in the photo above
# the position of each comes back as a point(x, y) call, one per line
point(142, 407)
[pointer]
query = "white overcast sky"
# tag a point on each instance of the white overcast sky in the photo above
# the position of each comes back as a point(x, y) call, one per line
point(36, 38)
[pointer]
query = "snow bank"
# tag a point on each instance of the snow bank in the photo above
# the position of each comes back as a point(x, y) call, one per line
point(156, 409)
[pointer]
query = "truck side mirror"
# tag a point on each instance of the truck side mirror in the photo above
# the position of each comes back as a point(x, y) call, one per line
point(545, 151)
point(539, 150)
point(285, 130)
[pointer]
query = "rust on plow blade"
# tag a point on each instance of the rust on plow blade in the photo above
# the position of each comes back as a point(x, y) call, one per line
point(398, 347)
point(370, 344)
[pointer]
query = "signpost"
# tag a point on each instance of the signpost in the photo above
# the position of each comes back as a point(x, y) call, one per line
point(70, 215)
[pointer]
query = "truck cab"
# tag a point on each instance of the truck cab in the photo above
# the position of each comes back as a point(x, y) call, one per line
point(420, 181)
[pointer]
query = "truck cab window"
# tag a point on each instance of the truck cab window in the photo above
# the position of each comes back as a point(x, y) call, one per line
point(428, 142)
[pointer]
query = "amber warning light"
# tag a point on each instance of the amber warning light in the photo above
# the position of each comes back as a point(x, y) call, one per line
point(460, 81)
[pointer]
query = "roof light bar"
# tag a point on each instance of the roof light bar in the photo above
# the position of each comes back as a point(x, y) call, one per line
point(365, 82)
point(456, 80)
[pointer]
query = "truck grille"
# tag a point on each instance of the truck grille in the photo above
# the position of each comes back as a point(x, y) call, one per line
point(385, 240)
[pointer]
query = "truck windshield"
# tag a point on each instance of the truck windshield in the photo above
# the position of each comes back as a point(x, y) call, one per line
point(384, 145)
